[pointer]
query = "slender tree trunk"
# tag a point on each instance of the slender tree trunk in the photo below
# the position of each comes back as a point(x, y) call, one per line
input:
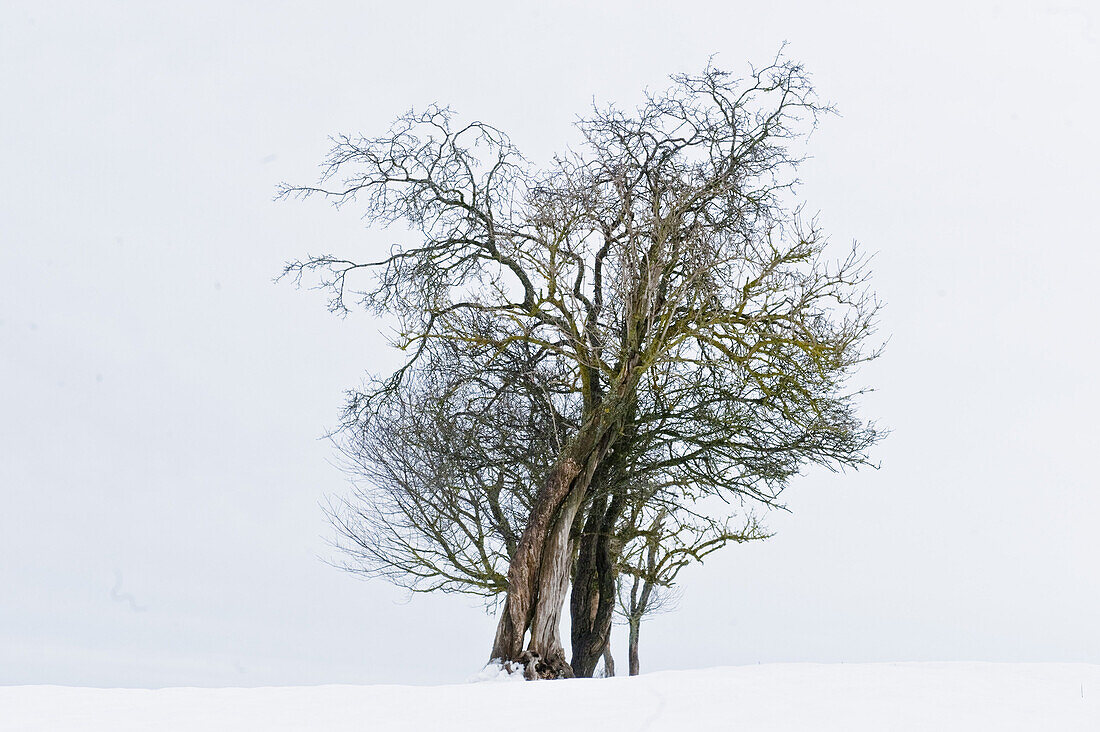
point(608, 661)
point(635, 627)
point(640, 604)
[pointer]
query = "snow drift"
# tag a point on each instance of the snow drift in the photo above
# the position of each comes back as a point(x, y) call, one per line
point(849, 697)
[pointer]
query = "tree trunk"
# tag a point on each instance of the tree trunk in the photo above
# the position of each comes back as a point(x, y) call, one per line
point(593, 599)
point(538, 576)
point(584, 600)
point(635, 626)
point(553, 583)
point(640, 604)
point(608, 661)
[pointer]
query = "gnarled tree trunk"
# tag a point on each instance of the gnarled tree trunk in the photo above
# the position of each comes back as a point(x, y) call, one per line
point(539, 573)
point(538, 576)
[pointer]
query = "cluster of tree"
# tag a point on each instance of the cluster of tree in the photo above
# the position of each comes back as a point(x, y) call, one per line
point(608, 357)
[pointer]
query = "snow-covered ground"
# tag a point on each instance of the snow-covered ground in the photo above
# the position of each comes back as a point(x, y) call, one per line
point(850, 697)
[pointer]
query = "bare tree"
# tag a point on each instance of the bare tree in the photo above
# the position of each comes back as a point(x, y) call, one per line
point(677, 304)
point(655, 552)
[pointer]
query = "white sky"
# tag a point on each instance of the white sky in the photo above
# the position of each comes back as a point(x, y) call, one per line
point(161, 399)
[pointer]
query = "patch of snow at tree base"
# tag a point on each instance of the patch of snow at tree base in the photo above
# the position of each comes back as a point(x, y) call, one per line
point(849, 697)
point(495, 671)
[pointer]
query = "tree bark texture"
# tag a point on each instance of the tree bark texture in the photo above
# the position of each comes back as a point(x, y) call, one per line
point(524, 570)
point(608, 661)
point(538, 576)
point(592, 603)
point(635, 626)
point(539, 573)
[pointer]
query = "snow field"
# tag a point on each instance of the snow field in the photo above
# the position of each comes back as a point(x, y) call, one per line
point(852, 697)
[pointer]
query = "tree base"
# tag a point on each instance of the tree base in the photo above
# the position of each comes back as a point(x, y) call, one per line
point(536, 668)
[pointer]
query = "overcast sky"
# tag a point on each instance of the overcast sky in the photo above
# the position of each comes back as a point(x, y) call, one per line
point(162, 400)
